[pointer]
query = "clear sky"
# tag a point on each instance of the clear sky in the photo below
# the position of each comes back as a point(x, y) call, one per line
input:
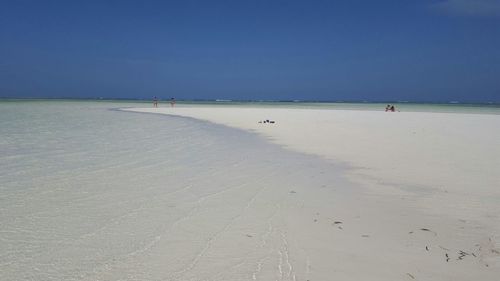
point(422, 50)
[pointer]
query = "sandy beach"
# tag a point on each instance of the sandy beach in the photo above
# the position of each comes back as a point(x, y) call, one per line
point(423, 196)
point(89, 191)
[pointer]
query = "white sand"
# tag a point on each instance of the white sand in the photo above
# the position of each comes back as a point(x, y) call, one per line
point(416, 172)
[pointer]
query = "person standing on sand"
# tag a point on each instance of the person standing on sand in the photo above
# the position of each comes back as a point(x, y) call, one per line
point(155, 101)
point(172, 102)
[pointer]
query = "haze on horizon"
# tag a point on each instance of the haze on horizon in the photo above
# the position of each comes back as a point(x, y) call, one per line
point(431, 50)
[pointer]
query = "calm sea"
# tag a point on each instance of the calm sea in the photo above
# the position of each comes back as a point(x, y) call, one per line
point(405, 107)
point(490, 108)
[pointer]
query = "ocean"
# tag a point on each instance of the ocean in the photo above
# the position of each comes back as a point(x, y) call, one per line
point(401, 106)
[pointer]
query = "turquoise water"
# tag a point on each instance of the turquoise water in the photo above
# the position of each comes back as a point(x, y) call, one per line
point(404, 107)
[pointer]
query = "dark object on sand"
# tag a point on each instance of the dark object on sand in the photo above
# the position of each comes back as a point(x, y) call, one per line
point(267, 121)
point(428, 230)
point(462, 254)
point(337, 222)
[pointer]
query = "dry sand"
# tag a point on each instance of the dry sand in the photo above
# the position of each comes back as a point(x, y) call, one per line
point(428, 202)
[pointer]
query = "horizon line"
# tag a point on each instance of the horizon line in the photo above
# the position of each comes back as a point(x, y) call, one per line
point(222, 101)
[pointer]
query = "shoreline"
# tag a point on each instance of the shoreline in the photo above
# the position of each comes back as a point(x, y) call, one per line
point(460, 108)
point(423, 139)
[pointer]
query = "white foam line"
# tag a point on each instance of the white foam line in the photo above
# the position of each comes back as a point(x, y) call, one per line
point(270, 228)
point(258, 268)
point(280, 265)
point(214, 238)
point(286, 255)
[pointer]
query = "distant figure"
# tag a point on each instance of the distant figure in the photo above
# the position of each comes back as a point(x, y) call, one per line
point(172, 102)
point(390, 108)
point(155, 101)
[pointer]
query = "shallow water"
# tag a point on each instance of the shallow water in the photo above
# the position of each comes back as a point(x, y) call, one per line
point(490, 108)
point(405, 107)
point(92, 193)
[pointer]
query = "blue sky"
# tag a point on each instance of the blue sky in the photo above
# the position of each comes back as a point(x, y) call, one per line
point(442, 50)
